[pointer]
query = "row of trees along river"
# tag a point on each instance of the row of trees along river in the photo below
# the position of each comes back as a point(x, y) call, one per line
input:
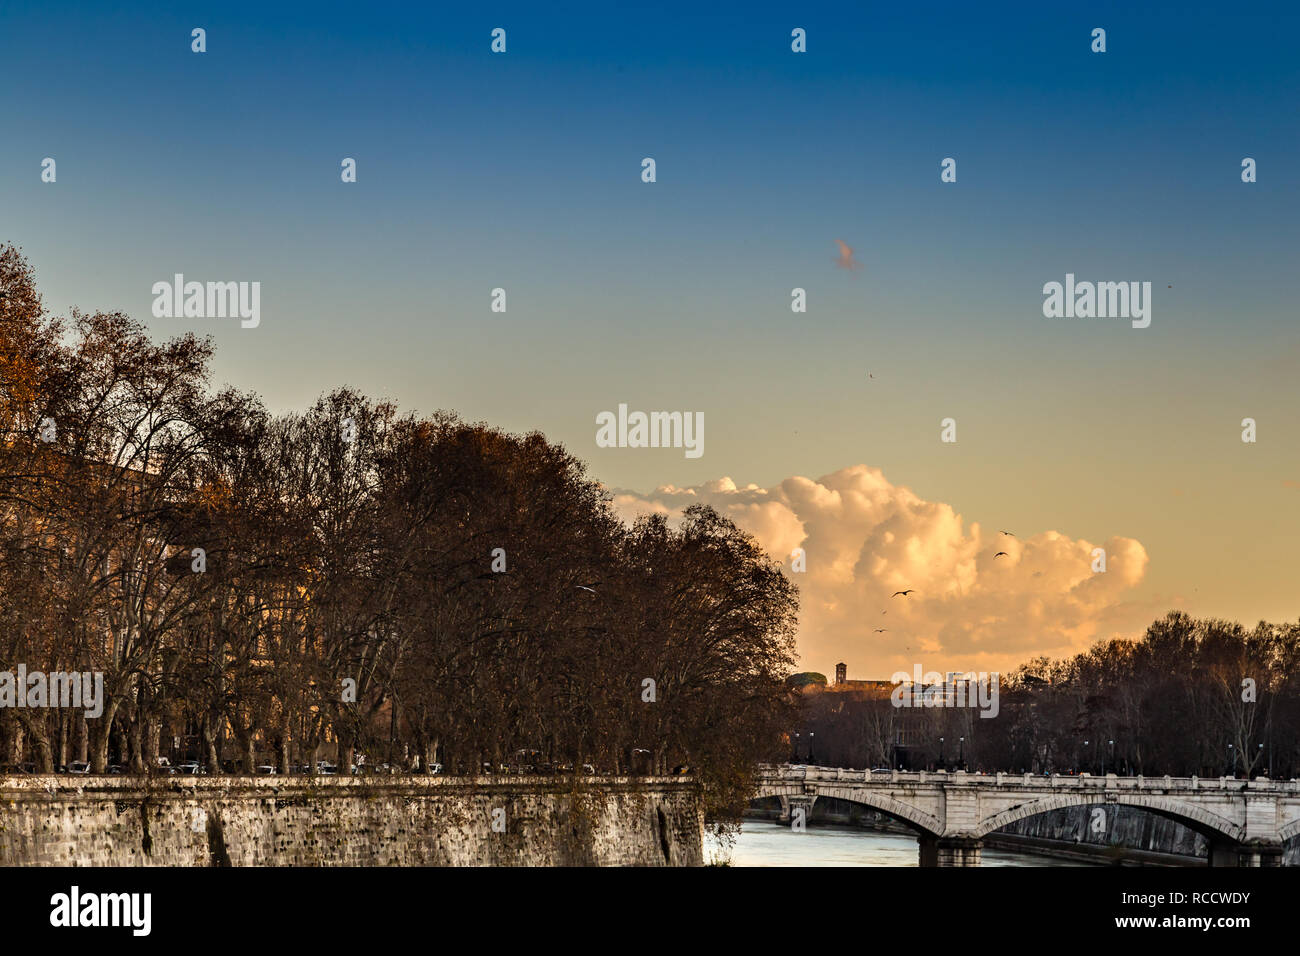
point(230, 570)
point(1191, 697)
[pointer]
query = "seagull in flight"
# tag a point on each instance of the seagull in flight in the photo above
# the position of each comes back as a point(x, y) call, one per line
point(881, 630)
point(904, 593)
point(1009, 534)
point(846, 260)
point(1000, 554)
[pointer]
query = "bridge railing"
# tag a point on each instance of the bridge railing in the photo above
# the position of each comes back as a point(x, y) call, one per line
point(789, 772)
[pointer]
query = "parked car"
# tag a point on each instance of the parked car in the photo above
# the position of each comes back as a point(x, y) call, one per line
point(327, 769)
point(190, 767)
point(267, 770)
point(78, 766)
point(528, 761)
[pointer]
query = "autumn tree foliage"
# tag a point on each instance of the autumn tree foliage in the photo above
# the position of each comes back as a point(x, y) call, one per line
point(1190, 697)
point(352, 583)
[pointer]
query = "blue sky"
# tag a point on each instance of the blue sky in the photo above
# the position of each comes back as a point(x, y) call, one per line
point(522, 171)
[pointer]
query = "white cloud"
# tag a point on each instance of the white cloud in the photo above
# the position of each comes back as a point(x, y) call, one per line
point(866, 538)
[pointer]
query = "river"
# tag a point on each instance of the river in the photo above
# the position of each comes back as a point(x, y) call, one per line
point(766, 843)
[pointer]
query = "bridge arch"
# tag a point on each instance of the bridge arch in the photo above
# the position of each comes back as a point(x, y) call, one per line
point(1290, 831)
point(927, 824)
point(1190, 815)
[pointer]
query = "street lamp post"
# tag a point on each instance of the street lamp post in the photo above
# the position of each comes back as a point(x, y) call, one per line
point(1261, 756)
point(1109, 759)
point(961, 756)
point(1085, 756)
point(942, 766)
point(1232, 763)
point(811, 758)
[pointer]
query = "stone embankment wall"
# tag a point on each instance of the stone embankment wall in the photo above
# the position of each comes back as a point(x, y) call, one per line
point(357, 821)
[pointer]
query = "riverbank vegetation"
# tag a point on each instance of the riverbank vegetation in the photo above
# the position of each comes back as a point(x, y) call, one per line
point(1191, 697)
point(261, 589)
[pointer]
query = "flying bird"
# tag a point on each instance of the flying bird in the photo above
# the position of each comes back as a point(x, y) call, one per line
point(585, 588)
point(904, 593)
point(881, 630)
point(1009, 534)
point(846, 260)
point(1000, 554)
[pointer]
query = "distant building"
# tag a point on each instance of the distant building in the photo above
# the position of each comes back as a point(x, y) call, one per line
point(899, 730)
point(862, 689)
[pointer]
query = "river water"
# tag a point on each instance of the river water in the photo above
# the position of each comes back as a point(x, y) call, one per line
point(767, 843)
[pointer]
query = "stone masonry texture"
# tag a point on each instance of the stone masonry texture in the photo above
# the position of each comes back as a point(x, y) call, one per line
point(358, 821)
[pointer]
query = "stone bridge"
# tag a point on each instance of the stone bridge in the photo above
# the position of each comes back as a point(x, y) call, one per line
point(1245, 821)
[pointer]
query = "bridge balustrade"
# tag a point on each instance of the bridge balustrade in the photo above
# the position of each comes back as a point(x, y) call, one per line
point(1034, 781)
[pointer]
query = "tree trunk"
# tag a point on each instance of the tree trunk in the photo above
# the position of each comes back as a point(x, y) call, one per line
point(152, 729)
point(83, 738)
point(63, 737)
point(284, 741)
point(135, 737)
point(100, 732)
point(244, 738)
point(346, 752)
point(10, 740)
point(209, 745)
point(38, 741)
